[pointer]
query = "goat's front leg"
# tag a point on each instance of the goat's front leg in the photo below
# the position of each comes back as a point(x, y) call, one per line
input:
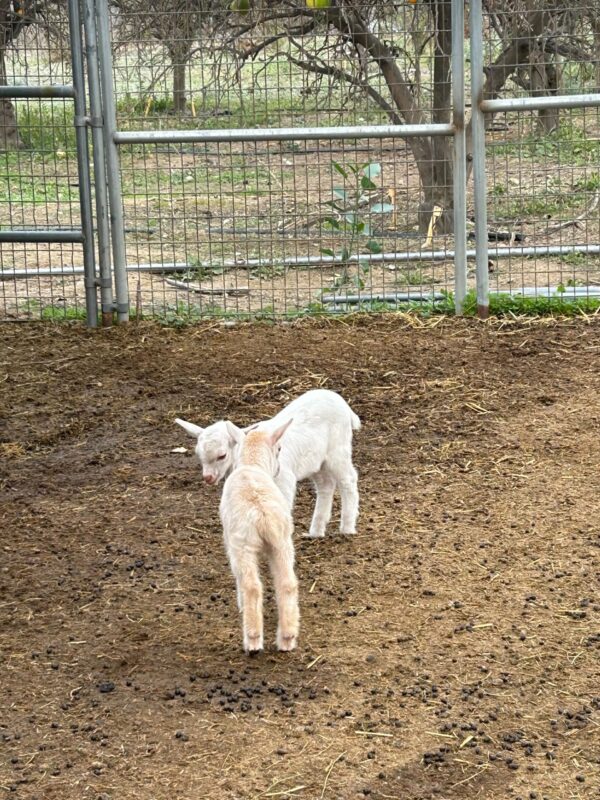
point(286, 481)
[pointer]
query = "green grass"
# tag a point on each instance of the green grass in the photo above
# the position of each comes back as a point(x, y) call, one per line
point(411, 277)
point(569, 144)
point(575, 259)
point(503, 305)
point(50, 313)
point(182, 314)
point(46, 127)
point(44, 171)
point(554, 199)
point(500, 305)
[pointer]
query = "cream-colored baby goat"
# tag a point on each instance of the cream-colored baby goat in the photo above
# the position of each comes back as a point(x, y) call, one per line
point(257, 519)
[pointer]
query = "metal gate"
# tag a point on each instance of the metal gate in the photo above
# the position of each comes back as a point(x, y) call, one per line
point(83, 233)
point(100, 224)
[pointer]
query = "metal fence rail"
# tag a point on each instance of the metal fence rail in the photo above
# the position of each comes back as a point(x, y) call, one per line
point(291, 161)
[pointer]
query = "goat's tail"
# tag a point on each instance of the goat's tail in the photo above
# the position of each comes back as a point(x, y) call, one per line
point(355, 420)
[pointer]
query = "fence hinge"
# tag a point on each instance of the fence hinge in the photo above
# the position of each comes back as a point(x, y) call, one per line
point(84, 122)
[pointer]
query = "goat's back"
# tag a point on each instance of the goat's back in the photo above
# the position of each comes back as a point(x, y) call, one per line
point(253, 509)
point(322, 424)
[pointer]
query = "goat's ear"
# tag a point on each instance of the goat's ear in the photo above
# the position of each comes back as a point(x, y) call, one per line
point(252, 427)
point(235, 433)
point(276, 435)
point(190, 428)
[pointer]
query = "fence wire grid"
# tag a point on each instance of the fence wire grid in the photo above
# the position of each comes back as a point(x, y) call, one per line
point(285, 226)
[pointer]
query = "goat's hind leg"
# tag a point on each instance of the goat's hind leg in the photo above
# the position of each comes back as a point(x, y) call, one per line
point(250, 600)
point(325, 487)
point(347, 481)
point(281, 560)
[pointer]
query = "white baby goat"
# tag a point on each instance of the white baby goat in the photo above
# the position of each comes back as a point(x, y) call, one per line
point(257, 519)
point(319, 447)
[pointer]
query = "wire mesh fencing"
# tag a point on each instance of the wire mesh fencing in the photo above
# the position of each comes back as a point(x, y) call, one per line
point(544, 165)
point(282, 225)
point(39, 182)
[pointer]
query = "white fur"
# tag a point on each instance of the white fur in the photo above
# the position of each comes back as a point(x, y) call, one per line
point(318, 446)
point(257, 520)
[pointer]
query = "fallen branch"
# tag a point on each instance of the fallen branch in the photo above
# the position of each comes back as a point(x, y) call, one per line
point(593, 205)
point(234, 291)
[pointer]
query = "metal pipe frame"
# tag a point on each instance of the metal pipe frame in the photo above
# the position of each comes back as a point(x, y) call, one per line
point(83, 166)
point(540, 103)
point(307, 261)
point(113, 171)
point(478, 157)
point(569, 293)
point(102, 213)
point(41, 92)
point(282, 134)
point(42, 237)
point(459, 171)
point(382, 297)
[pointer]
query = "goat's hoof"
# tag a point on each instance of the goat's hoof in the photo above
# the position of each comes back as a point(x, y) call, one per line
point(314, 535)
point(286, 643)
point(348, 531)
point(253, 644)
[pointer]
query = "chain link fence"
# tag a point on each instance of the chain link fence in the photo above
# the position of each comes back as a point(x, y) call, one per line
point(253, 219)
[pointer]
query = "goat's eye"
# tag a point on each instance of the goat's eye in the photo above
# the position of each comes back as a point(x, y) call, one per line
point(220, 458)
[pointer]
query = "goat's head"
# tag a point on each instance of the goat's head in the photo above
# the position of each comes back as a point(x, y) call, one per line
point(217, 448)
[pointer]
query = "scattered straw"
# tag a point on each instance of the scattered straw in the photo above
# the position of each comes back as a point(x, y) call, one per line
point(328, 773)
point(314, 661)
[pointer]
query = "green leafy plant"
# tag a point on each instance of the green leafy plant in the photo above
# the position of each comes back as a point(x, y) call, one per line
point(201, 271)
point(268, 271)
point(346, 219)
point(574, 259)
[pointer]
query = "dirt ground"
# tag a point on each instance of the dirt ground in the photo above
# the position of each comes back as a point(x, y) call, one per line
point(448, 650)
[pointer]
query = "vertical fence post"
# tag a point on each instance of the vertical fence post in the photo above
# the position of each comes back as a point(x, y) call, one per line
point(479, 178)
point(83, 165)
point(113, 172)
point(459, 170)
point(91, 50)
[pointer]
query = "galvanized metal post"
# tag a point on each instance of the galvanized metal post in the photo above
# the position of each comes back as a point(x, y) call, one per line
point(83, 165)
point(479, 178)
point(459, 170)
point(102, 220)
point(113, 173)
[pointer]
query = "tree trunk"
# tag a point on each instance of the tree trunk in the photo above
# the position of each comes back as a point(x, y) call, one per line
point(544, 81)
point(179, 98)
point(9, 133)
point(595, 21)
point(437, 180)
